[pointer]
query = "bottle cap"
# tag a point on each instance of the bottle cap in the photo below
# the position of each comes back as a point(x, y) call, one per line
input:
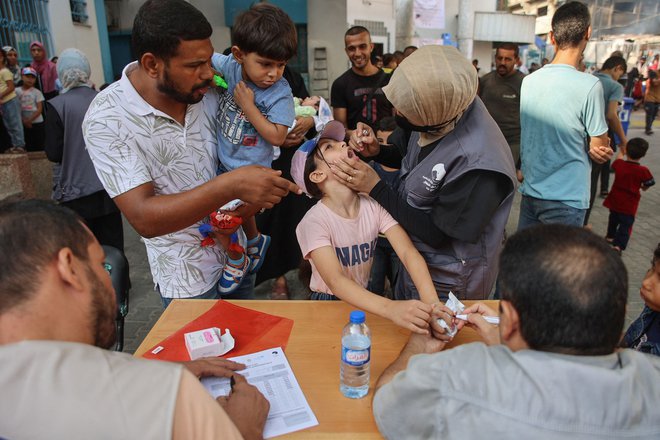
point(357, 317)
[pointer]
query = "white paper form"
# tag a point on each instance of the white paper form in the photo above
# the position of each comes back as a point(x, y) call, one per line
point(270, 372)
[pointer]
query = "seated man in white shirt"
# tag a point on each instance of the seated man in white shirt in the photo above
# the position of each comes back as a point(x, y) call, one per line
point(57, 310)
point(551, 369)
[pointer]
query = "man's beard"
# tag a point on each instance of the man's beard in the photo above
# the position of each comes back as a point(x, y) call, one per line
point(168, 87)
point(103, 312)
point(503, 70)
point(357, 66)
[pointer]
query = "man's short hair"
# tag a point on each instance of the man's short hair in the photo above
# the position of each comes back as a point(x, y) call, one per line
point(636, 148)
point(266, 30)
point(615, 61)
point(570, 24)
point(510, 46)
point(357, 30)
point(161, 25)
point(569, 288)
point(32, 232)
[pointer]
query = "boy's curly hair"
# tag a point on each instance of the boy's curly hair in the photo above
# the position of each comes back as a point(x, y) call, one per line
point(266, 30)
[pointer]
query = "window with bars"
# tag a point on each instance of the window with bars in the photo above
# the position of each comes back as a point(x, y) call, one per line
point(79, 11)
point(299, 61)
point(24, 21)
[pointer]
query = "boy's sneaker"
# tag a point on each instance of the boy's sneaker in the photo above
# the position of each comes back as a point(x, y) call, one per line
point(256, 250)
point(233, 274)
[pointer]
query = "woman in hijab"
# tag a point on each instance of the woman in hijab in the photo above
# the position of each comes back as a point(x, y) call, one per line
point(45, 68)
point(457, 172)
point(76, 185)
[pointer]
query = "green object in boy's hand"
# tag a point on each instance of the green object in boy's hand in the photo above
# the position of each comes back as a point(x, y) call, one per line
point(219, 81)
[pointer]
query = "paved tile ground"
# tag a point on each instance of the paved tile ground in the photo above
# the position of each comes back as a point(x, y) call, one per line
point(145, 307)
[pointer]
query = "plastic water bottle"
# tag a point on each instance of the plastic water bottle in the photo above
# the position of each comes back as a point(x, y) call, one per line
point(355, 357)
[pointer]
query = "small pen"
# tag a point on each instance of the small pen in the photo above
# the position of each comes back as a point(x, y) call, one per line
point(490, 319)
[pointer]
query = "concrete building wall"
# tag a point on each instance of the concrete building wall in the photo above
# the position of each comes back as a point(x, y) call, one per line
point(214, 12)
point(85, 37)
point(404, 23)
point(374, 10)
point(408, 34)
point(327, 22)
point(126, 9)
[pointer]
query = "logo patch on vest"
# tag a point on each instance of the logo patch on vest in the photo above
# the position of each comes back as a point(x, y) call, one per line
point(437, 174)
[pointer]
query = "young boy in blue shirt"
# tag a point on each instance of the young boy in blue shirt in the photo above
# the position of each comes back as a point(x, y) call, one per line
point(255, 111)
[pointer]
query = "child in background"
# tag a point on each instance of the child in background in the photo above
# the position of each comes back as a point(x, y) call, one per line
point(10, 107)
point(32, 106)
point(338, 235)
point(623, 199)
point(256, 109)
point(644, 333)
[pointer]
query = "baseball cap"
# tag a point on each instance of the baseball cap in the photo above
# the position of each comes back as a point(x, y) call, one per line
point(332, 130)
point(29, 71)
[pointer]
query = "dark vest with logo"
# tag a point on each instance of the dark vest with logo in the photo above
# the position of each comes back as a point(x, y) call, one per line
point(476, 143)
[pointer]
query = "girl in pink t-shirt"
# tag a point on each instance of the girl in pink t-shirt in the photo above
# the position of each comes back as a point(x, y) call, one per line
point(339, 234)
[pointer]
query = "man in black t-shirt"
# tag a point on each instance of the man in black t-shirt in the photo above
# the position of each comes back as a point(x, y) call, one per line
point(500, 92)
point(357, 95)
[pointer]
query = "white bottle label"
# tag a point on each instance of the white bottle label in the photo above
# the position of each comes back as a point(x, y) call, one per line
point(355, 358)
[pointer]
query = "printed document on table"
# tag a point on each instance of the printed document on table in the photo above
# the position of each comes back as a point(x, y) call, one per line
point(271, 373)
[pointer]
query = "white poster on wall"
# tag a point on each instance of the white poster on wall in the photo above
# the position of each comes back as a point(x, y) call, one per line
point(429, 14)
point(420, 42)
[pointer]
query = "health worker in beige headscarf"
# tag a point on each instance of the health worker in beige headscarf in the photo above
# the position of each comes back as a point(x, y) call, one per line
point(457, 176)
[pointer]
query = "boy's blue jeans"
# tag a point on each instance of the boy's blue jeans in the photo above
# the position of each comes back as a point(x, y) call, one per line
point(619, 228)
point(11, 115)
point(244, 291)
point(536, 211)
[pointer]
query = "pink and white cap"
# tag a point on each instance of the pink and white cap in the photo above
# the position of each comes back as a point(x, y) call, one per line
point(29, 71)
point(332, 130)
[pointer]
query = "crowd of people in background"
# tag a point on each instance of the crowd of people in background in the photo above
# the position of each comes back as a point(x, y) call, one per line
point(35, 118)
point(23, 91)
point(31, 121)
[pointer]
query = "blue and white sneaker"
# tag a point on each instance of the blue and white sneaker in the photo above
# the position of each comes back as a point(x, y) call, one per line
point(233, 274)
point(256, 251)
